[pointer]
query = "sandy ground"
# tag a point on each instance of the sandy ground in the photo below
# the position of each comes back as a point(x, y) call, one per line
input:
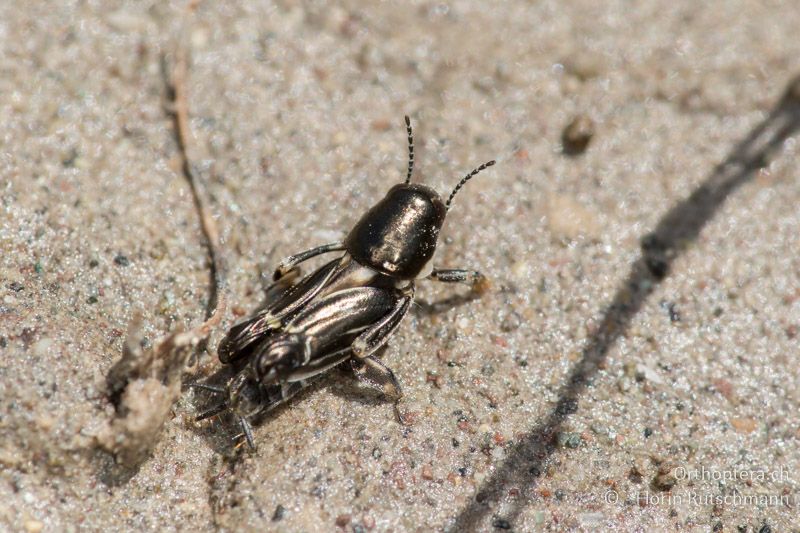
point(632, 367)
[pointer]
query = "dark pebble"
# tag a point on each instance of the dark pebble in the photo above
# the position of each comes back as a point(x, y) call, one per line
point(647, 432)
point(656, 255)
point(91, 300)
point(27, 336)
point(455, 443)
point(674, 315)
point(94, 263)
point(121, 260)
point(280, 512)
point(658, 267)
point(567, 407)
point(69, 160)
point(535, 471)
point(576, 136)
point(718, 526)
point(500, 523)
point(376, 453)
point(664, 482)
point(568, 439)
point(462, 471)
point(16, 286)
point(765, 529)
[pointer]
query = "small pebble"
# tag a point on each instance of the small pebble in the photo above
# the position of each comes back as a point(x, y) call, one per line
point(576, 136)
point(280, 512)
point(43, 347)
point(569, 219)
point(500, 523)
point(16, 286)
point(635, 475)
point(567, 407)
point(744, 425)
point(342, 520)
point(33, 526)
point(121, 260)
point(664, 481)
point(567, 439)
point(511, 322)
point(368, 522)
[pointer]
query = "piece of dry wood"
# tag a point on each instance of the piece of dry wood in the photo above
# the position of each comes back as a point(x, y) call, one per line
point(144, 384)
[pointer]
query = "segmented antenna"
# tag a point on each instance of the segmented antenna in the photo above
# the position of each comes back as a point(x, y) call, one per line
point(410, 151)
point(466, 179)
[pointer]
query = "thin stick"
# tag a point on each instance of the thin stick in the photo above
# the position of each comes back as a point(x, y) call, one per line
point(210, 232)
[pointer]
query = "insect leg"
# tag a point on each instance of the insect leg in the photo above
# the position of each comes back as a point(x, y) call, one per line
point(293, 260)
point(217, 409)
point(275, 395)
point(210, 388)
point(376, 336)
point(474, 279)
point(378, 376)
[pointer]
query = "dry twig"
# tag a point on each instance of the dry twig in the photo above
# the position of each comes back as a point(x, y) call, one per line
point(144, 384)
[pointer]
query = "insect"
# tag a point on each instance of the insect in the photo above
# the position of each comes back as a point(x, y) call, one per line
point(345, 310)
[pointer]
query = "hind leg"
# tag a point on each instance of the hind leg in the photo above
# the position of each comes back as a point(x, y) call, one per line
point(373, 373)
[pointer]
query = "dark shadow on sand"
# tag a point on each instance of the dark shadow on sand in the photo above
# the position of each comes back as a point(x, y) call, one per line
point(679, 227)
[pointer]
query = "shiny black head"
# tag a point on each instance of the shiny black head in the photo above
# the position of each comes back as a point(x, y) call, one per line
point(398, 236)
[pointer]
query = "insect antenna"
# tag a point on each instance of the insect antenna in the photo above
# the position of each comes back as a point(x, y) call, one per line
point(464, 180)
point(247, 431)
point(410, 150)
point(217, 409)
